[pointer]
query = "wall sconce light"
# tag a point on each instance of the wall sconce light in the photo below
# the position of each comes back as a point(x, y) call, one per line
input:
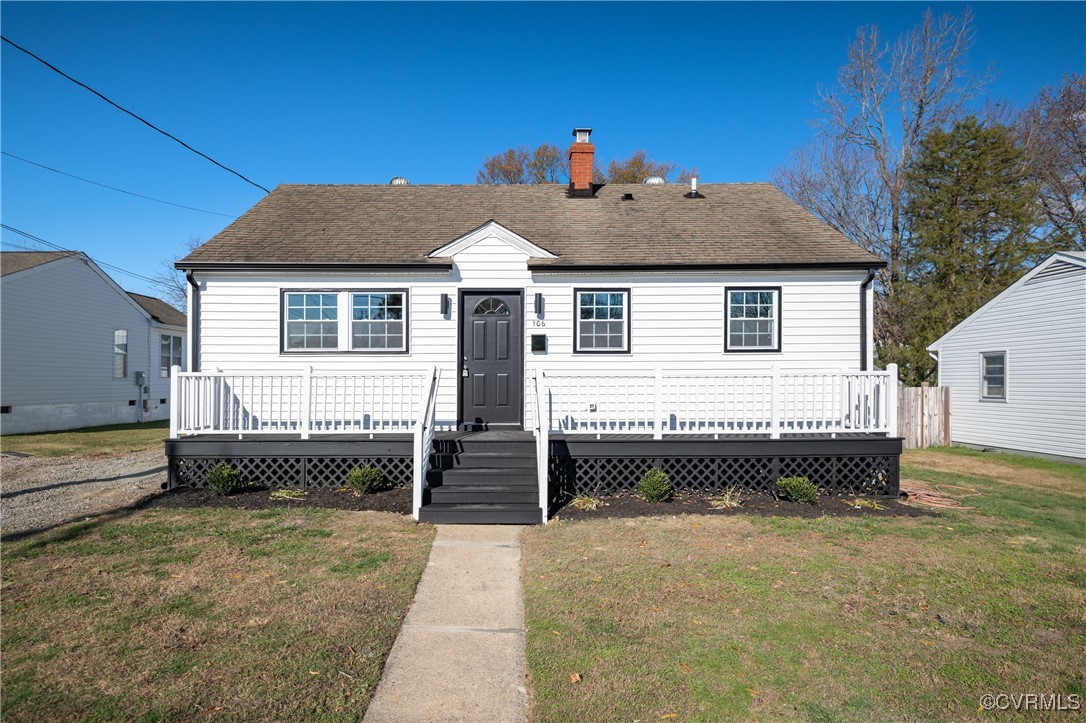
point(444, 304)
point(539, 304)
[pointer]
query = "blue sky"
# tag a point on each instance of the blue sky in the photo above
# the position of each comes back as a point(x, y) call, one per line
point(362, 92)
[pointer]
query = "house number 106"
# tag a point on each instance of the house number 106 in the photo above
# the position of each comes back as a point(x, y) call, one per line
point(538, 322)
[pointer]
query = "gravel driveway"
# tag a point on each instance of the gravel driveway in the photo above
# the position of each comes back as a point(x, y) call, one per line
point(40, 492)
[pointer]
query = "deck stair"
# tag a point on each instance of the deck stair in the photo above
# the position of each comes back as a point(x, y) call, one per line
point(482, 478)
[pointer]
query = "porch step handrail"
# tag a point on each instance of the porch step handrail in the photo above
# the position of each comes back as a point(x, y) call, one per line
point(424, 440)
point(677, 402)
point(541, 402)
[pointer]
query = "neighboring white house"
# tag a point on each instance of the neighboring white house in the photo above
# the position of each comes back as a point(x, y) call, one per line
point(74, 346)
point(1017, 366)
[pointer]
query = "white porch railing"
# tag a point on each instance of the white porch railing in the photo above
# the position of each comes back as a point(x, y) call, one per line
point(306, 403)
point(300, 402)
point(755, 403)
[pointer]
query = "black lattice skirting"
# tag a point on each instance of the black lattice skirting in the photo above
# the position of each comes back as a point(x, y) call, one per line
point(300, 464)
point(600, 468)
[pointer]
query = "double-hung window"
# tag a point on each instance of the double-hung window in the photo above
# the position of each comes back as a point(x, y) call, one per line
point(753, 319)
point(603, 320)
point(345, 321)
point(993, 375)
point(169, 354)
point(377, 321)
point(120, 353)
point(312, 321)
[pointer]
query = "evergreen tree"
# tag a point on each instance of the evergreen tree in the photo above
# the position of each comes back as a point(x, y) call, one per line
point(970, 207)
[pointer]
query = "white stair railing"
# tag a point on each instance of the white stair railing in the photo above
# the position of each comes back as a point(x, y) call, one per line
point(424, 441)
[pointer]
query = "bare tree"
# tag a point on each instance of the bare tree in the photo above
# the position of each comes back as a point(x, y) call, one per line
point(1053, 132)
point(170, 282)
point(544, 164)
point(886, 99)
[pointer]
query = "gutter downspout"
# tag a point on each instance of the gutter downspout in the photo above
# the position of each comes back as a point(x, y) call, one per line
point(194, 322)
point(937, 369)
point(863, 318)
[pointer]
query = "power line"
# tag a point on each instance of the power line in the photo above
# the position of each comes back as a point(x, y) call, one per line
point(52, 245)
point(121, 108)
point(112, 188)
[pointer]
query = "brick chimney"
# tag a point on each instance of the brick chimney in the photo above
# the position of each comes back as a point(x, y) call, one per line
point(581, 154)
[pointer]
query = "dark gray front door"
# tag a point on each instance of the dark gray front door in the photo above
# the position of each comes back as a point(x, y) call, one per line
point(492, 353)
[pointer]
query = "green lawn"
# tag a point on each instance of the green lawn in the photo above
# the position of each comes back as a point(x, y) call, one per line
point(167, 615)
point(704, 618)
point(105, 441)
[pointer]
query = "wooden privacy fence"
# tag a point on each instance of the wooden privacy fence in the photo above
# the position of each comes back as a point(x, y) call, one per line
point(924, 416)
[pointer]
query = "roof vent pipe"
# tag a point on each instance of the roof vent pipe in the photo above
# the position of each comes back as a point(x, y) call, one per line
point(693, 190)
point(399, 181)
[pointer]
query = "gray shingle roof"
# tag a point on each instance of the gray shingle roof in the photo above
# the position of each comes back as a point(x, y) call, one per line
point(13, 261)
point(733, 224)
point(159, 310)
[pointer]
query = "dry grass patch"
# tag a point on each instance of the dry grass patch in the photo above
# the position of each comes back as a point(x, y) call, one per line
point(710, 618)
point(1007, 468)
point(108, 441)
point(168, 614)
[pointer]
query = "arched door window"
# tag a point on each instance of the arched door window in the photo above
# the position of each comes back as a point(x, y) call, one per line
point(491, 307)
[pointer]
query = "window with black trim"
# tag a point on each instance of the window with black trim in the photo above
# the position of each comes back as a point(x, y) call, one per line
point(603, 320)
point(753, 319)
point(345, 320)
point(993, 375)
point(377, 321)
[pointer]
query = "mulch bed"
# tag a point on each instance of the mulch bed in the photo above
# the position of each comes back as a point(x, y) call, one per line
point(396, 500)
point(752, 505)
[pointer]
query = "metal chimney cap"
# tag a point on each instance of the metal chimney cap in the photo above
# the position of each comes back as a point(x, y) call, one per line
point(399, 181)
point(654, 181)
point(582, 134)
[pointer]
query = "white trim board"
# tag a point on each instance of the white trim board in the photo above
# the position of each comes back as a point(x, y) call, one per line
point(493, 229)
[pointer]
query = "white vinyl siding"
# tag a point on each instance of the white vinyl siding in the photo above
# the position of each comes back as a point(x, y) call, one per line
point(676, 321)
point(1041, 325)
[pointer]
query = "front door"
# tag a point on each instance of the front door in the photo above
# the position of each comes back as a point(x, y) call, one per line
point(491, 363)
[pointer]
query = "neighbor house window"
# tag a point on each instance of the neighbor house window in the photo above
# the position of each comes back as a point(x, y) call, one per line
point(120, 353)
point(169, 354)
point(377, 321)
point(603, 320)
point(312, 321)
point(753, 320)
point(993, 375)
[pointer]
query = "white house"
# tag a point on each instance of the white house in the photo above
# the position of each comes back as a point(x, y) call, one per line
point(76, 350)
point(581, 314)
point(1017, 366)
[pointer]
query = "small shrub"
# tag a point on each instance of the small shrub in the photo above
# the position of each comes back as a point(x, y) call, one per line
point(223, 479)
point(365, 480)
point(798, 489)
point(287, 494)
point(732, 497)
point(585, 503)
point(655, 486)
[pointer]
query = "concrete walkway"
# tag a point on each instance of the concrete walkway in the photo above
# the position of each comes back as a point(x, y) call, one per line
point(460, 653)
